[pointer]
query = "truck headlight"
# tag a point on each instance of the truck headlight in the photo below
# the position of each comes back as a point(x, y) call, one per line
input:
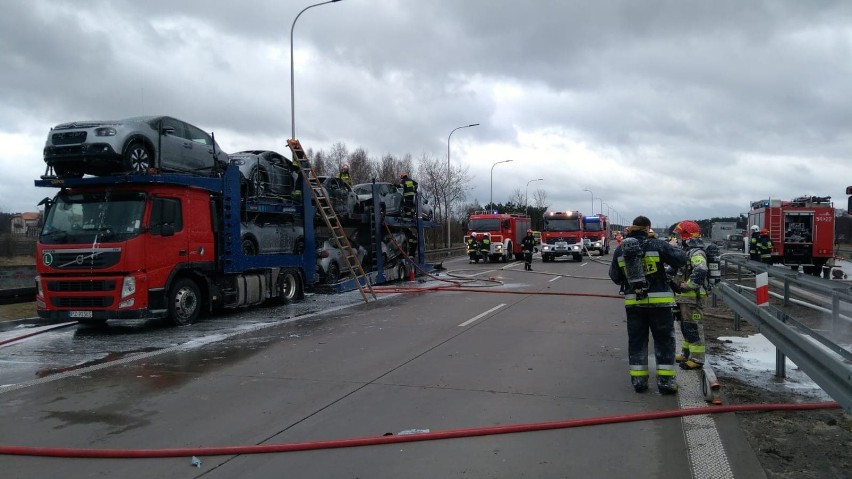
point(128, 286)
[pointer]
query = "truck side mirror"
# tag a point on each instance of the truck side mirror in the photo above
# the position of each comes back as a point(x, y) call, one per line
point(167, 230)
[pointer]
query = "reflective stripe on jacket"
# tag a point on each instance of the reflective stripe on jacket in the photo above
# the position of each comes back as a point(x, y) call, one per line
point(658, 254)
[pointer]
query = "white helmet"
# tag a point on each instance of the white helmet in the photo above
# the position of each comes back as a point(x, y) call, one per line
point(755, 227)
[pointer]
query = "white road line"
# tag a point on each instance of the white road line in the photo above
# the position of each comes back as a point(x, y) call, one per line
point(495, 308)
point(554, 279)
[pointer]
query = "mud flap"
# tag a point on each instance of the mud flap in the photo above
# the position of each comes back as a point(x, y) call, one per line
point(710, 386)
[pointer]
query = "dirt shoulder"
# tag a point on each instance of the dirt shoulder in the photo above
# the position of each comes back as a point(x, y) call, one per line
point(789, 444)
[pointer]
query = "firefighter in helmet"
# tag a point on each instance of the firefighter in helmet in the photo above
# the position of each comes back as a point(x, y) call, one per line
point(409, 195)
point(344, 174)
point(528, 246)
point(485, 246)
point(648, 308)
point(473, 248)
point(753, 253)
point(764, 247)
point(692, 287)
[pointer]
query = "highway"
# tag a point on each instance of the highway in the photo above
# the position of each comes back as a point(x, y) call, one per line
point(522, 349)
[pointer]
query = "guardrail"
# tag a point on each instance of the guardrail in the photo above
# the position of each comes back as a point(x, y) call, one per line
point(825, 362)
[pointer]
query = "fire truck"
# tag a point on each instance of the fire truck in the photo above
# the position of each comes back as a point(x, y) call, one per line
point(505, 230)
point(801, 230)
point(596, 231)
point(562, 235)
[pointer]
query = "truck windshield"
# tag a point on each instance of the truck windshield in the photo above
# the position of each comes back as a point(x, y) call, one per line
point(562, 225)
point(594, 226)
point(484, 224)
point(93, 217)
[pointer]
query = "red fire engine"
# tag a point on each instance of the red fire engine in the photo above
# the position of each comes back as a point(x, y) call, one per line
point(801, 230)
point(596, 230)
point(505, 231)
point(562, 235)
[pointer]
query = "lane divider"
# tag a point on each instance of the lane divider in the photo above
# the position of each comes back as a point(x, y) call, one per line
point(478, 316)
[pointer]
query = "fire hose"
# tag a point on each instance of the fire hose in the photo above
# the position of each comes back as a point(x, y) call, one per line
point(402, 438)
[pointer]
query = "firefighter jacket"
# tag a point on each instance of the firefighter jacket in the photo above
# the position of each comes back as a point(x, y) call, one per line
point(753, 252)
point(764, 248)
point(695, 275)
point(658, 254)
point(344, 175)
point(409, 188)
point(528, 243)
point(471, 245)
point(485, 245)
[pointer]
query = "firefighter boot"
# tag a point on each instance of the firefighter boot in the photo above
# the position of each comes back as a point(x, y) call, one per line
point(683, 356)
point(640, 383)
point(666, 385)
point(689, 364)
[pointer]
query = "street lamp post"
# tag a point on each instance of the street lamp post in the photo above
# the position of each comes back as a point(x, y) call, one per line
point(449, 183)
point(491, 199)
point(601, 203)
point(593, 199)
point(527, 196)
point(292, 74)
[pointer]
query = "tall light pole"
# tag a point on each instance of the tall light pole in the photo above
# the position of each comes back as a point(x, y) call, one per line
point(527, 196)
point(601, 203)
point(292, 74)
point(593, 199)
point(491, 200)
point(449, 183)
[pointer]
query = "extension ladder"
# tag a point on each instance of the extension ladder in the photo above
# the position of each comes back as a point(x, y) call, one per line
point(326, 212)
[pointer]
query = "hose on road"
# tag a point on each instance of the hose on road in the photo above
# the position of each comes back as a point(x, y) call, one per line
point(402, 438)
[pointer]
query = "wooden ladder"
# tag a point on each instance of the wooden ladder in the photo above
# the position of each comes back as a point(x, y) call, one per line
point(326, 212)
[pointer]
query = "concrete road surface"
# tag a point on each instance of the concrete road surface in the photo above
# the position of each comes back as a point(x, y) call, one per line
point(505, 354)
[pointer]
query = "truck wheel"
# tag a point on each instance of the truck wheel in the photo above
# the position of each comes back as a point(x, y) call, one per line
point(184, 302)
point(291, 287)
point(137, 158)
point(248, 247)
point(333, 273)
point(506, 253)
point(578, 257)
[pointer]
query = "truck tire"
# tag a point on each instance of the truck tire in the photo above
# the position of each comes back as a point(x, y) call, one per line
point(137, 158)
point(291, 287)
point(578, 257)
point(184, 302)
point(506, 253)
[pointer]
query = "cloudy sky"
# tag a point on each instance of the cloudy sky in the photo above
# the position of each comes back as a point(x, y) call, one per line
point(671, 109)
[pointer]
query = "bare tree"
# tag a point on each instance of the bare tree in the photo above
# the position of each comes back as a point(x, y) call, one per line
point(336, 158)
point(359, 167)
point(540, 198)
point(518, 197)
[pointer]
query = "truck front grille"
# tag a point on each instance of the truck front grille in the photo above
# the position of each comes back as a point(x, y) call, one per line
point(83, 285)
point(82, 302)
point(84, 260)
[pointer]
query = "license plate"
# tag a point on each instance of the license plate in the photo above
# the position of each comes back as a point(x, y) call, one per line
point(80, 314)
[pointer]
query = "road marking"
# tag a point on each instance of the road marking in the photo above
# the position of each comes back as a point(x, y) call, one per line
point(495, 308)
point(554, 279)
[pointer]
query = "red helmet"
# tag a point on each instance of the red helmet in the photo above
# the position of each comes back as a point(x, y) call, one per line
point(687, 230)
point(764, 231)
point(403, 175)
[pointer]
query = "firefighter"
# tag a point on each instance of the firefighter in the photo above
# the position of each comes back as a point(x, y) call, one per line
point(764, 247)
point(650, 307)
point(485, 246)
point(473, 248)
point(344, 174)
point(753, 253)
point(692, 286)
point(409, 195)
point(528, 245)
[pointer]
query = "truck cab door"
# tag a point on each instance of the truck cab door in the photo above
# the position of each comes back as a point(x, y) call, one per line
point(167, 245)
